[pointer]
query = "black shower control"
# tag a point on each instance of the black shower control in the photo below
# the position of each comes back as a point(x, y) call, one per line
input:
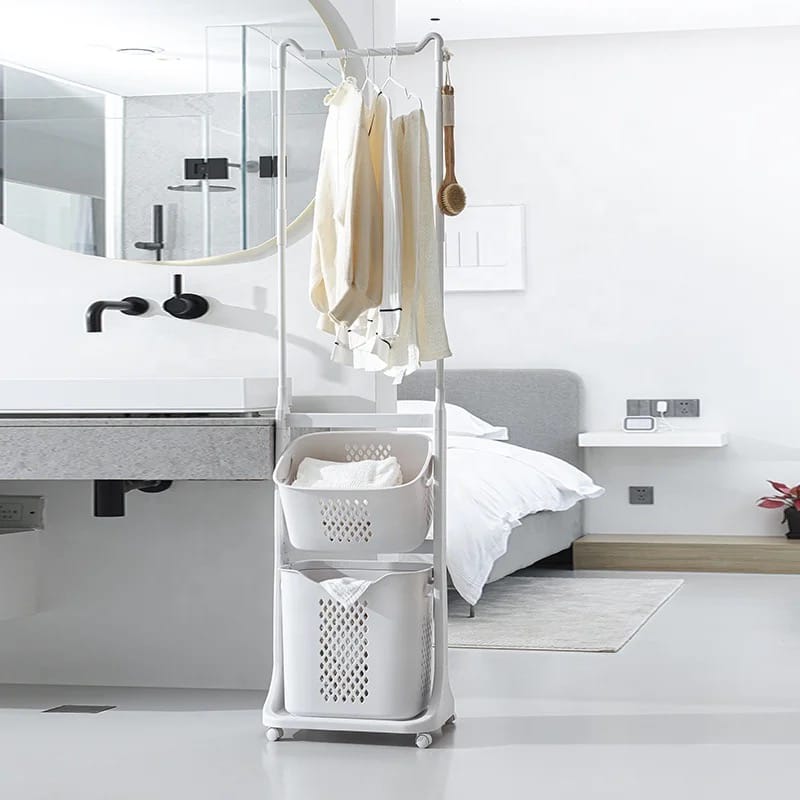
point(206, 169)
point(184, 305)
point(268, 166)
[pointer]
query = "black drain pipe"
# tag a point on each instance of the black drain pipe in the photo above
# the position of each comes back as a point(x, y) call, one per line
point(109, 496)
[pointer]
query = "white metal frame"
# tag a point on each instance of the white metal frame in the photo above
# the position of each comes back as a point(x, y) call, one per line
point(441, 707)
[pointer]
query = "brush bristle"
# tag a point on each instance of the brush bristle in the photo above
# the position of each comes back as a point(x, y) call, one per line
point(453, 199)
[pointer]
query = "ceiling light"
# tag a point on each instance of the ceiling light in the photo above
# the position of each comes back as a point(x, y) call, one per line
point(139, 51)
point(436, 19)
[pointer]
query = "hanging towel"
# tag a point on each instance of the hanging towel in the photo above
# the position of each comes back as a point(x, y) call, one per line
point(423, 336)
point(346, 249)
point(345, 591)
point(313, 473)
point(414, 157)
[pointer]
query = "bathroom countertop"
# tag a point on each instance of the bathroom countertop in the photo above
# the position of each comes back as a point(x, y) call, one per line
point(113, 447)
point(116, 420)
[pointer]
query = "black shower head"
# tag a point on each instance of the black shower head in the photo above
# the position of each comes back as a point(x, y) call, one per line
point(198, 187)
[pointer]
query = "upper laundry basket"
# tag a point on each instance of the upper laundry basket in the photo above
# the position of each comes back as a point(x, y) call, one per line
point(358, 521)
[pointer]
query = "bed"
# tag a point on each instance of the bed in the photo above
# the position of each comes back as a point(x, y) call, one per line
point(541, 409)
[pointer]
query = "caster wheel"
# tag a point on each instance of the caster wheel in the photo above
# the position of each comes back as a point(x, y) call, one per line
point(274, 734)
point(451, 721)
point(424, 740)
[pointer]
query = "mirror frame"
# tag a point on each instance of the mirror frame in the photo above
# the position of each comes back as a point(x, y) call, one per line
point(301, 225)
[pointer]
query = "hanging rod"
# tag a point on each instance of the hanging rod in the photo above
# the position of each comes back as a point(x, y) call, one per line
point(369, 52)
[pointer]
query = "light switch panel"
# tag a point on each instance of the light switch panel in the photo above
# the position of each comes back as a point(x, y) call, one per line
point(485, 249)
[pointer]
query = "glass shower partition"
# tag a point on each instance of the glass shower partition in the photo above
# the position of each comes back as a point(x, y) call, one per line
point(242, 68)
point(157, 135)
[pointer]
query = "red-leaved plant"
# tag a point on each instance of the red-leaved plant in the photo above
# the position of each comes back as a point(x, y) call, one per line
point(786, 497)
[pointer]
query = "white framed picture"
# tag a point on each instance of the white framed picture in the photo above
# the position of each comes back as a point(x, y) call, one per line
point(485, 249)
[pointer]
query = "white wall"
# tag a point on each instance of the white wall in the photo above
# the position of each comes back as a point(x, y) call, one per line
point(472, 19)
point(178, 592)
point(661, 177)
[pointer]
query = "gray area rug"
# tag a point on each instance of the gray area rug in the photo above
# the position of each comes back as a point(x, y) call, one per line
point(594, 615)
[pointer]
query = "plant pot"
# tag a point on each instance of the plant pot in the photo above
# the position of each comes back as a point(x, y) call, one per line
point(792, 518)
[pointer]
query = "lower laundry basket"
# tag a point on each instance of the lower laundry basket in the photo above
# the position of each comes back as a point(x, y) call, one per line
point(371, 658)
point(349, 523)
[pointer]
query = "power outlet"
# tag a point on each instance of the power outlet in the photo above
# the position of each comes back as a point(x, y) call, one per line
point(686, 408)
point(640, 495)
point(675, 408)
point(21, 512)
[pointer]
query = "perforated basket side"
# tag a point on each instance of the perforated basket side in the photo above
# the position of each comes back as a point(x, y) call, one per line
point(345, 520)
point(344, 658)
point(427, 656)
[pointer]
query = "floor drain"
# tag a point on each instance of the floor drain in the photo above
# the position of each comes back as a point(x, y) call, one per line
point(77, 709)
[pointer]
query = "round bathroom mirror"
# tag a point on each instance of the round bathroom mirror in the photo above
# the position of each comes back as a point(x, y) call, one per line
point(147, 131)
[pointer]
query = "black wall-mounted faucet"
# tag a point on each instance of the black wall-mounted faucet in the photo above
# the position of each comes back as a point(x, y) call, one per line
point(133, 306)
point(184, 305)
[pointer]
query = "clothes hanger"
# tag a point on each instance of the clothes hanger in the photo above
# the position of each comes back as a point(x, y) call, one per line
point(391, 79)
point(343, 69)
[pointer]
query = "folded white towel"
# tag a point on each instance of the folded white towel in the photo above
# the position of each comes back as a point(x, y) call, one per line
point(314, 473)
point(345, 591)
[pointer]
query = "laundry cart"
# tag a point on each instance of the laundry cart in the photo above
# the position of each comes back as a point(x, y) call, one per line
point(357, 634)
point(359, 624)
point(357, 629)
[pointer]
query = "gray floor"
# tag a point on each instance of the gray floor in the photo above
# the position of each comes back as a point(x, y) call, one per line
point(703, 702)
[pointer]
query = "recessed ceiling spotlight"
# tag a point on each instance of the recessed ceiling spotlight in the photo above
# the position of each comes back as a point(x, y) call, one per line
point(139, 51)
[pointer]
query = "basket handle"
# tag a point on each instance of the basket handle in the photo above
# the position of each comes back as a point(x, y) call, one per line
point(430, 480)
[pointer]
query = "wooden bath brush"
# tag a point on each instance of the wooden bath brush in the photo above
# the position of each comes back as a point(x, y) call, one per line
point(451, 197)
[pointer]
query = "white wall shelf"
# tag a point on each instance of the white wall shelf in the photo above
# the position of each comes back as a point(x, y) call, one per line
point(660, 439)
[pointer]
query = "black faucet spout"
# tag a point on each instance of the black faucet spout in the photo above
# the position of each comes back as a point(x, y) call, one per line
point(134, 306)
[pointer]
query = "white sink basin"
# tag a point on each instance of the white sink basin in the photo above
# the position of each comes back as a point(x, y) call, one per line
point(137, 395)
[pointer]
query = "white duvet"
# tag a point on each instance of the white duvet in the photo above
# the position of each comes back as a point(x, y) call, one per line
point(491, 486)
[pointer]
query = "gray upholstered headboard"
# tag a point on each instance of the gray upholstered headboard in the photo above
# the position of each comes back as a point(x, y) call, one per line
point(540, 407)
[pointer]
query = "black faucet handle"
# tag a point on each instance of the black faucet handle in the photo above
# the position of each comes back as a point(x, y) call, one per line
point(184, 305)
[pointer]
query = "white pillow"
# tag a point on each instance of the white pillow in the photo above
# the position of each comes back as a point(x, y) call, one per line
point(459, 421)
point(569, 481)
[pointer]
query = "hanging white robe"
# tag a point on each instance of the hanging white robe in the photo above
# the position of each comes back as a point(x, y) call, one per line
point(346, 251)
